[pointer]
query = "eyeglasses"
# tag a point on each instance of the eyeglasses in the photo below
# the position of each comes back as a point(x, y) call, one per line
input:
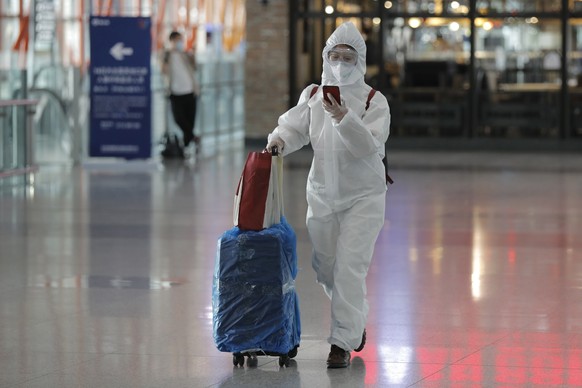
point(348, 56)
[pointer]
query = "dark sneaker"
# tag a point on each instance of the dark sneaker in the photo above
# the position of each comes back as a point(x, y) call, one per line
point(363, 343)
point(338, 358)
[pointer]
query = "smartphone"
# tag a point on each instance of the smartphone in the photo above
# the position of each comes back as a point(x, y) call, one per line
point(334, 91)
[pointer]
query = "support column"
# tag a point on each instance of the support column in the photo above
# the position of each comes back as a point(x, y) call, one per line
point(266, 65)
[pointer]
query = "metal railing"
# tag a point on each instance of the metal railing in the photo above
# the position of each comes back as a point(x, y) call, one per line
point(53, 128)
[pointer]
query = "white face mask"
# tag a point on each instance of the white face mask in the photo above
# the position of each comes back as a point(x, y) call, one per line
point(342, 71)
point(180, 46)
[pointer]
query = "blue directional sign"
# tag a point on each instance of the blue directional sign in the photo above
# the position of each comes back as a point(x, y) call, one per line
point(120, 87)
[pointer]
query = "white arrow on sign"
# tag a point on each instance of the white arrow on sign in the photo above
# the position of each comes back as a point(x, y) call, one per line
point(119, 52)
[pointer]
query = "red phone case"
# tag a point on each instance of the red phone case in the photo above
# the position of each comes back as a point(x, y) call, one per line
point(334, 91)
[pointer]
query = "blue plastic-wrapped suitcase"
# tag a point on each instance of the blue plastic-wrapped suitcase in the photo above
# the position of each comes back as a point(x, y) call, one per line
point(254, 301)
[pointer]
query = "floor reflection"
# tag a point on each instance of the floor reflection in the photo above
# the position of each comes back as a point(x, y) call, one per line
point(106, 277)
point(103, 281)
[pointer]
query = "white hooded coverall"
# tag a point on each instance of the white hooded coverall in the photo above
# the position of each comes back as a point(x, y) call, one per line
point(346, 187)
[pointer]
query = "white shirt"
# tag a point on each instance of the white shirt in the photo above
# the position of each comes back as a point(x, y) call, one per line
point(182, 79)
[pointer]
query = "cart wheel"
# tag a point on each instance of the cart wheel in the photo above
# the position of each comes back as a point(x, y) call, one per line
point(293, 352)
point(238, 359)
point(252, 361)
point(284, 360)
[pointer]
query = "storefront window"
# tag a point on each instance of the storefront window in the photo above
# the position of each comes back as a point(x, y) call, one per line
point(518, 77)
point(520, 50)
point(575, 5)
point(427, 62)
point(432, 7)
point(430, 38)
point(355, 6)
point(575, 77)
point(309, 5)
point(420, 57)
point(513, 6)
point(575, 54)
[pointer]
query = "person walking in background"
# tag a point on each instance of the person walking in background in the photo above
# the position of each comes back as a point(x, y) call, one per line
point(180, 68)
point(346, 187)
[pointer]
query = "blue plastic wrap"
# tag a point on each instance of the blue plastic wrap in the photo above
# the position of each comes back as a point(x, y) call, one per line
point(254, 302)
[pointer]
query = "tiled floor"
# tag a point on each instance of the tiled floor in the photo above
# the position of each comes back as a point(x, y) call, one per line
point(106, 272)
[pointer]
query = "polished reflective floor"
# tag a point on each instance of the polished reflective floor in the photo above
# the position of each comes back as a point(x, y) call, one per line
point(106, 273)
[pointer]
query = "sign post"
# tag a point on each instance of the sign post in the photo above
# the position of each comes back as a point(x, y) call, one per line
point(120, 87)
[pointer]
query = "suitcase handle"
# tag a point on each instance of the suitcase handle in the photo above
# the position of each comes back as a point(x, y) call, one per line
point(274, 151)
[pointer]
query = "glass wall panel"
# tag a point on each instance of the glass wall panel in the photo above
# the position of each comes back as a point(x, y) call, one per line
point(310, 5)
point(431, 7)
point(56, 58)
point(513, 6)
point(9, 31)
point(575, 77)
point(426, 62)
point(518, 77)
point(353, 6)
point(575, 5)
point(12, 137)
point(420, 55)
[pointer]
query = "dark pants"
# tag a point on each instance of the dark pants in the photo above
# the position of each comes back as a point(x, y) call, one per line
point(184, 112)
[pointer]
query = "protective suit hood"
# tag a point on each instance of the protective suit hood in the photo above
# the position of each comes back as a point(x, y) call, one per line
point(348, 34)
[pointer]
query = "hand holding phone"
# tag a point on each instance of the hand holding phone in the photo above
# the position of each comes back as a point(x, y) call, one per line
point(336, 111)
point(334, 91)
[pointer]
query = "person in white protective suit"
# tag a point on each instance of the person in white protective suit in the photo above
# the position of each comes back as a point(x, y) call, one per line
point(346, 187)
